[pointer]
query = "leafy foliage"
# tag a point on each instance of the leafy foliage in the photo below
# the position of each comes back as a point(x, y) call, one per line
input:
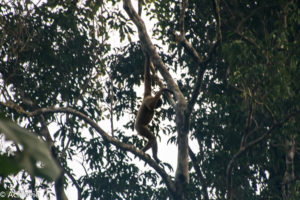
point(59, 53)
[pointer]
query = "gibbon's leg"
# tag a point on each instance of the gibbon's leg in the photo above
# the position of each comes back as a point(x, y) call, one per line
point(145, 132)
point(154, 151)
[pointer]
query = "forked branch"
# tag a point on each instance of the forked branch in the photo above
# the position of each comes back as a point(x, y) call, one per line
point(150, 49)
point(181, 39)
point(182, 173)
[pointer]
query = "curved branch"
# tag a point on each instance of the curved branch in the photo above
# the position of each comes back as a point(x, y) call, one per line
point(218, 18)
point(181, 39)
point(196, 91)
point(199, 81)
point(105, 136)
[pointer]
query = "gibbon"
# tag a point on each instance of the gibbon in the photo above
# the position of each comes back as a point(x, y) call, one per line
point(146, 111)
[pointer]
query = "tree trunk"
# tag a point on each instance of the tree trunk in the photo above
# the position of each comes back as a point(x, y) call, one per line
point(182, 171)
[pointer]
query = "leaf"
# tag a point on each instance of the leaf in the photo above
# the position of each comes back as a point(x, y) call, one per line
point(34, 151)
point(8, 166)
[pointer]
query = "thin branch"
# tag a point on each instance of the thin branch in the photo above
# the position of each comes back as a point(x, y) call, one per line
point(195, 54)
point(74, 181)
point(218, 18)
point(184, 6)
point(181, 39)
point(243, 20)
point(196, 91)
point(248, 124)
point(248, 39)
point(228, 9)
point(111, 104)
point(199, 173)
point(199, 81)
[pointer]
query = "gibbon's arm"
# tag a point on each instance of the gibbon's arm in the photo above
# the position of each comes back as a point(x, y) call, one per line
point(140, 4)
point(147, 77)
point(152, 102)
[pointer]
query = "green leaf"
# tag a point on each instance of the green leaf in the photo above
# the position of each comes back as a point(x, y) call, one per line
point(35, 151)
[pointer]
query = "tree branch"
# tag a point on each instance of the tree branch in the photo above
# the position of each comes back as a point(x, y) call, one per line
point(105, 136)
point(196, 91)
point(245, 147)
point(218, 18)
point(199, 81)
point(74, 181)
point(149, 48)
point(199, 173)
point(184, 5)
point(161, 85)
point(181, 39)
point(182, 172)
